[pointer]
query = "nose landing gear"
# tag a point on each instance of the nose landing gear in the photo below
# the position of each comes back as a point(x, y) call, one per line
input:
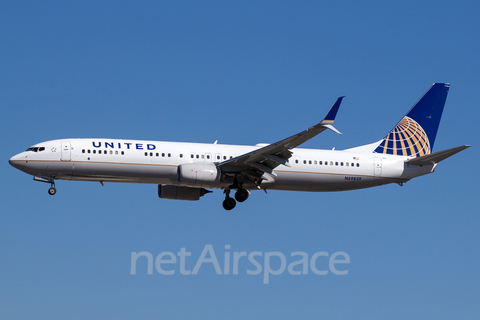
point(52, 190)
point(50, 180)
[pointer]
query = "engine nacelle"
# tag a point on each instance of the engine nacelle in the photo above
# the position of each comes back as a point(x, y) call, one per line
point(180, 193)
point(198, 174)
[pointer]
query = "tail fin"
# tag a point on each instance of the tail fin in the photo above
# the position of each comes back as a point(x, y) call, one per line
point(415, 134)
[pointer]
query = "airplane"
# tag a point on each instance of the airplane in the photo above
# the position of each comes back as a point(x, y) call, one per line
point(184, 171)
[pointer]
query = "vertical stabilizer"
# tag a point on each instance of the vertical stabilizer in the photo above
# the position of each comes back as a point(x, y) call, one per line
point(415, 134)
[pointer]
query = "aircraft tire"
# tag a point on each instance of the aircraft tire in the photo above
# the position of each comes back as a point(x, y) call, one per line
point(52, 191)
point(229, 204)
point(241, 195)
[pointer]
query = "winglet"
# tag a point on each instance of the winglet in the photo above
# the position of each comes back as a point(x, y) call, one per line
point(330, 117)
point(333, 110)
point(329, 126)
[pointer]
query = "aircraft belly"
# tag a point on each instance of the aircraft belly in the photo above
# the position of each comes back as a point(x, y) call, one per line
point(298, 181)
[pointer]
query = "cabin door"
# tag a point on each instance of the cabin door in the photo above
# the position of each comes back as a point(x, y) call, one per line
point(66, 152)
point(378, 167)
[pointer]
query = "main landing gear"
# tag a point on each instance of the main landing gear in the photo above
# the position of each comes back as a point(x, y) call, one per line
point(241, 195)
point(230, 203)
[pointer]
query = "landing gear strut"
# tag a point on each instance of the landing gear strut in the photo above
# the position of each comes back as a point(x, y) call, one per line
point(47, 179)
point(228, 203)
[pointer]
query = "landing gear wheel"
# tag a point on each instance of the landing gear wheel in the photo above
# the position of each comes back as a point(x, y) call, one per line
point(229, 203)
point(52, 191)
point(241, 195)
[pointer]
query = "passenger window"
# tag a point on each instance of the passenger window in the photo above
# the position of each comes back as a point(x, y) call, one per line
point(346, 164)
point(208, 157)
point(105, 152)
point(111, 152)
point(320, 162)
point(358, 164)
point(123, 153)
point(181, 155)
point(94, 151)
point(224, 157)
point(341, 164)
point(336, 163)
point(83, 150)
point(191, 156)
point(197, 156)
point(296, 161)
point(218, 157)
point(309, 161)
point(331, 163)
point(151, 154)
point(157, 154)
point(88, 151)
point(315, 162)
point(169, 155)
point(146, 154)
point(116, 152)
point(304, 161)
point(163, 154)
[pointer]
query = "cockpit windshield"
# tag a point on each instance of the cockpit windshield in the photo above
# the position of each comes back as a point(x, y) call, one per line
point(36, 149)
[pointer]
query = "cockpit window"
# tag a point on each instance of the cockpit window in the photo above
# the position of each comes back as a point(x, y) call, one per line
point(36, 149)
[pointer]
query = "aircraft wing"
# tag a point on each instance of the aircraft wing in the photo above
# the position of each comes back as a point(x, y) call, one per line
point(263, 160)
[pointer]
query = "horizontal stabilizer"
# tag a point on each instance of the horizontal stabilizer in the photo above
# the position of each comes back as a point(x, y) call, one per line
point(436, 157)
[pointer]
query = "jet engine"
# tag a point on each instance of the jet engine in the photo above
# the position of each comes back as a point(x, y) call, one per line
point(180, 193)
point(198, 174)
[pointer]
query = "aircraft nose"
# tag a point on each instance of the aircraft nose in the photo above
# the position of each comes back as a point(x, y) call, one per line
point(15, 161)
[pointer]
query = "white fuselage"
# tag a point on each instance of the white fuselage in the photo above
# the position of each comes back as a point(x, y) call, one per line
point(156, 162)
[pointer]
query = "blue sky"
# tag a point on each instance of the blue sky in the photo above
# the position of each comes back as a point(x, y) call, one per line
point(240, 73)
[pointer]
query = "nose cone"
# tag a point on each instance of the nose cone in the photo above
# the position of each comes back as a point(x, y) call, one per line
point(18, 161)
